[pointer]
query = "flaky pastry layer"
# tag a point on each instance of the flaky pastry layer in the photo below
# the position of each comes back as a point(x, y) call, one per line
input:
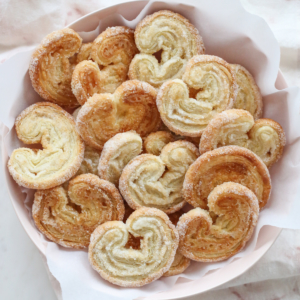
point(264, 137)
point(117, 153)
point(63, 149)
point(131, 107)
point(156, 141)
point(170, 36)
point(52, 64)
point(229, 163)
point(156, 181)
point(208, 87)
point(235, 209)
point(248, 96)
point(111, 52)
point(180, 262)
point(130, 267)
point(69, 216)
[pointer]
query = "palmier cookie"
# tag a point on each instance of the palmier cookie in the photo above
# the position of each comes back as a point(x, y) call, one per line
point(84, 52)
point(91, 156)
point(113, 50)
point(117, 153)
point(236, 213)
point(90, 161)
point(68, 217)
point(156, 181)
point(264, 137)
point(51, 67)
point(208, 87)
point(180, 263)
point(62, 152)
point(131, 107)
point(156, 141)
point(110, 256)
point(170, 36)
point(229, 163)
point(248, 96)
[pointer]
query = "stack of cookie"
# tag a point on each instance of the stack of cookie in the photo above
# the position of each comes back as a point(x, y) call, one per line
point(156, 124)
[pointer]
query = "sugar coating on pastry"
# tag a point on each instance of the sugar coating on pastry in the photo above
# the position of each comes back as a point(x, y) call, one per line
point(229, 163)
point(52, 64)
point(131, 107)
point(180, 263)
point(264, 137)
point(111, 52)
point(63, 149)
point(248, 97)
point(156, 181)
point(202, 239)
point(84, 52)
point(170, 36)
point(208, 87)
point(69, 216)
point(117, 153)
point(129, 267)
point(156, 141)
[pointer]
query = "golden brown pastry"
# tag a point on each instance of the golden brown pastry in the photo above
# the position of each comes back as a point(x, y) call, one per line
point(128, 267)
point(180, 263)
point(68, 217)
point(131, 107)
point(84, 52)
point(166, 41)
point(62, 152)
point(117, 153)
point(90, 161)
point(236, 209)
point(91, 156)
point(229, 163)
point(248, 96)
point(51, 67)
point(208, 87)
point(156, 141)
point(264, 137)
point(113, 51)
point(156, 181)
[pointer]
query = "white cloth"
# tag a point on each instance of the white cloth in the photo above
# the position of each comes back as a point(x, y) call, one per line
point(277, 274)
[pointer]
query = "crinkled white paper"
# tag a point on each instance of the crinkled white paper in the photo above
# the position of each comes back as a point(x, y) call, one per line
point(228, 31)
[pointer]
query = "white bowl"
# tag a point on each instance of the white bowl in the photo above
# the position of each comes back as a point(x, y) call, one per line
point(183, 288)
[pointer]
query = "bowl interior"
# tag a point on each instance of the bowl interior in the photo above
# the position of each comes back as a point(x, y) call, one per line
point(183, 288)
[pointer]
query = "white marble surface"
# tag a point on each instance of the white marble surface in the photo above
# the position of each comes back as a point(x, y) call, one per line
point(22, 272)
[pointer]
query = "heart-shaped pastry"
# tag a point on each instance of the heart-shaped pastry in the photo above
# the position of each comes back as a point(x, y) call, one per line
point(229, 163)
point(180, 263)
point(156, 181)
point(111, 257)
point(68, 217)
point(264, 137)
point(248, 95)
point(117, 153)
point(235, 213)
point(113, 51)
point(62, 152)
point(131, 107)
point(166, 41)
point(208, 87)
point(51, 67)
